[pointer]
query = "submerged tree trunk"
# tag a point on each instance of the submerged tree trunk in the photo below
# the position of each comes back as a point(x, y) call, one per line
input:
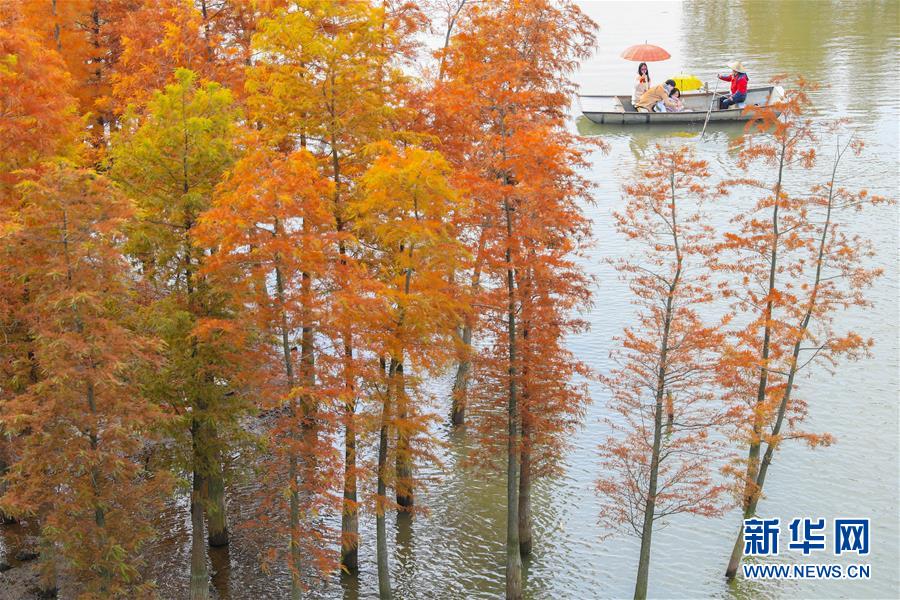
point(199, 571)
point(350, 508)
point(293, 483)
point(404, 481)
point(513, 552)
point(296, 585)
point(404, 475)
point(643, 572)
point(47, 582)
point(4, 467)
point(381, 550)
point(525, 492)
point(461, 381)
point(464, 368)
point(216, 518)
point(350, 512)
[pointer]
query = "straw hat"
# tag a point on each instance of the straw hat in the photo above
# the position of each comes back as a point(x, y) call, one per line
point(736, 65)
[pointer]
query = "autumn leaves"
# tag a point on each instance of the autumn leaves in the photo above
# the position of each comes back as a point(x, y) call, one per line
point(248, 229)
point(240, 240)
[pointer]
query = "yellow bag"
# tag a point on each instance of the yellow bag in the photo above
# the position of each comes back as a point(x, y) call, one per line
point(686, 82)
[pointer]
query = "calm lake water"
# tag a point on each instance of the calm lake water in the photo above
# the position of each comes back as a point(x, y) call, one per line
point(456, 550)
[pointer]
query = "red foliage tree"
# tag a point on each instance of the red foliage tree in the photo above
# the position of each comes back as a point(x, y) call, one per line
point(328, 80)
point(270, 229)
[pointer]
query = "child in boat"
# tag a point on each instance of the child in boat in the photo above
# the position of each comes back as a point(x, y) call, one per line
point(673, 102)
point(641, 83)
point(653, 100)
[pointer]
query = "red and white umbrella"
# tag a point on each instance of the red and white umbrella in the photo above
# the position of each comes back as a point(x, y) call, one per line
point(645, 53)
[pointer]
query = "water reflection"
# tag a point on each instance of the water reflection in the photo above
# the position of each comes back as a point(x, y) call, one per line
point(644, 137)
point(850, 47)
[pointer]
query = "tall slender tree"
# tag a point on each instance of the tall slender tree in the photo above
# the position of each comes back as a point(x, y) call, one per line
point(796, 270)
point(38, 121)
point(328, 79)
point(661, 461)
point(269, 229)
point(170, 162)
point(405, 213)
point(502, 102)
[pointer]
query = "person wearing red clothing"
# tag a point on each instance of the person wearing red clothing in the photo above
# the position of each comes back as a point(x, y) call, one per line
point(739, 81)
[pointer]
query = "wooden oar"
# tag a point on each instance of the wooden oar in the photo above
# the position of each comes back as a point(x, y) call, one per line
point(709, 112)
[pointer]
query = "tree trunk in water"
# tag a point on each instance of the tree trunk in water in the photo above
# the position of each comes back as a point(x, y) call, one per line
point(736, 552)
point(404, 482)
point(461, 381)
point(350, 510)
point(525, 493)
point(381, 550)
point(47, 586)
point(4, 467)
point(350, 514)
point(464, 369)
point(752, 500)
point(513, 552)
point(199, 572)
point(216, 518)
point(640, 586)
point(296, 586)
point(293, 483)
point(643, 573)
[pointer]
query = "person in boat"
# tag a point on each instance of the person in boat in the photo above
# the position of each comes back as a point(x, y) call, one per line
point(673, 102)
point(641, 83)
point(739, 81)
point(653, 100)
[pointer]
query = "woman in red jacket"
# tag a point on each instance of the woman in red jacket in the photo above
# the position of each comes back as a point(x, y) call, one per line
point(739, 81)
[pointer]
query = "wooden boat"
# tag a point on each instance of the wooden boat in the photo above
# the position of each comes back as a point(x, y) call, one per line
point(618, 110)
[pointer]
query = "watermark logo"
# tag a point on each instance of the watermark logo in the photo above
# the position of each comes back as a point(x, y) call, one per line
point(761, 537)
point(807, 535)
point(851, 535)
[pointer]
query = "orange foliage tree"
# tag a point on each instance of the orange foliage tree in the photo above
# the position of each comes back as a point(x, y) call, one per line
point(501, 109)
point(84, 416)
point(86, 34)
point(270, 231)
point(38, 120)
point(210, 37)
point(405, 214)
point(795, 268)
point(660, 459)
point(327, 79)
